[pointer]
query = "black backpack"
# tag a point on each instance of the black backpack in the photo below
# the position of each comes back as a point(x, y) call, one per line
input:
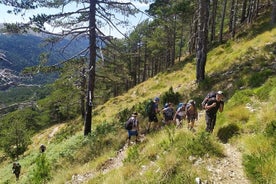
point(207, 98)
point(129, 124)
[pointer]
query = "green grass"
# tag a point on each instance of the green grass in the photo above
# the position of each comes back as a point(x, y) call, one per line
point(241, 68)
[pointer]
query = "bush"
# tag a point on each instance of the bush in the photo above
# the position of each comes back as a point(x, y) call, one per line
point(258, 78)
point(41, 173)
point(270, 129)
point(203, 144)
point(170, 96)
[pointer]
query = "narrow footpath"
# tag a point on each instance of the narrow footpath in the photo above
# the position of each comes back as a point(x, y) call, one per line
point(226, 170)
point(229, 169)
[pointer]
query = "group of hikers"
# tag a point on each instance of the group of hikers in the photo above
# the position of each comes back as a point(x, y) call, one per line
point(212, 103)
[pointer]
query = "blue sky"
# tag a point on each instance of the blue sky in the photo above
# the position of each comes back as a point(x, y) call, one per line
point(11, 18)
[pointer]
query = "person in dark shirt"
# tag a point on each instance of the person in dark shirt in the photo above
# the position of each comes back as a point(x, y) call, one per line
point(16, 169)
point(152, 114)
point(213, 105)
point(42, 148)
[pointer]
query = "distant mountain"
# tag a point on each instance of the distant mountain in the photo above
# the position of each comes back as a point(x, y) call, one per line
point(24, 50)
point(19, 51)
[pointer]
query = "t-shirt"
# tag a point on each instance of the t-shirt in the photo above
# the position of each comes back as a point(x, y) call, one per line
point(168, 111)
point(180, 112)
point(213, 110)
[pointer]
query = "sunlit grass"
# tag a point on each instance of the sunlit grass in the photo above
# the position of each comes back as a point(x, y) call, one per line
point(163, 156)
point(238, 114)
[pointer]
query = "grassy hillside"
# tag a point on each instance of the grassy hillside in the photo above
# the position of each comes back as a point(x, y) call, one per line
point(244, 69)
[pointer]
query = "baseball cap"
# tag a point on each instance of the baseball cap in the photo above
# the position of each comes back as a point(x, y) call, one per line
point(156, 99)
point(191, 101)
point(220, 92)
point(134, 114)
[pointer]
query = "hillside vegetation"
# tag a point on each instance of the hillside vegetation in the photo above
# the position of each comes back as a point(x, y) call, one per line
point(245, 70)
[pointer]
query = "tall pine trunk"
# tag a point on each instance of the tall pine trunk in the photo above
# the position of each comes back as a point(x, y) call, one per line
point(222, 21)
point(92, 67)
point(202, 40)
point(273, 12)
point(213, 20)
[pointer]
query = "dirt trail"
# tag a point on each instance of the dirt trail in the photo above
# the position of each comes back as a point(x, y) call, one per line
point(226, 170)
point(229, 169)
point(107, 166)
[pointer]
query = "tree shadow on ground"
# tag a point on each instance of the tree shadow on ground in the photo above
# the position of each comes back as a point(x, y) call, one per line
point(227, 132)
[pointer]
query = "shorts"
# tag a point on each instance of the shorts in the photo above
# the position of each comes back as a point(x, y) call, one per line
point(153, 118)
point(132, 133)
point(191, 118)
point(168, 118)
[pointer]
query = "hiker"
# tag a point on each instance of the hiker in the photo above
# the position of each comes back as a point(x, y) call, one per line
point(168, 112)
point(132, 126)
point(152, 111)
point(191, 114)
point(42, 148)
point(212, 106)
point(16, 168)
point(179, 115)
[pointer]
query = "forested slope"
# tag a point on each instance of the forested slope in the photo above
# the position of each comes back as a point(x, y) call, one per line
point(244, 69)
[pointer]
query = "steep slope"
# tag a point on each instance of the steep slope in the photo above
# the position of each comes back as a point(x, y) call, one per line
point(245, 70)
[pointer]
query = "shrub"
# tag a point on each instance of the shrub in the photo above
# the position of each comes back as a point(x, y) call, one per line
point(270, 129)
point(258, 78)
point(203, 144)
point(264, 91)
point(41, 173)
point(171, 96)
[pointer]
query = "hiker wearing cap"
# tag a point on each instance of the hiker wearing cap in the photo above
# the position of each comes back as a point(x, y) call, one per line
point(132, 126)
point(152, 111)
point(191, 114)
point(212, 106)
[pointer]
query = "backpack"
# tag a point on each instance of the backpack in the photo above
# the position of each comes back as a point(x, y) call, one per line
point(207, 98)
point(129, 124)
point(168, 112)
point(150, 108)
point(180, 105)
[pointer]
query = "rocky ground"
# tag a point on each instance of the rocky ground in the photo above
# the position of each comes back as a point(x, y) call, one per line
point(225, 170)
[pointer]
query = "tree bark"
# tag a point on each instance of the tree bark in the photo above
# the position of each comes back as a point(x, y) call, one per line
point(273, 16)
point(92, 67)
point(243, 15)
point(202, 43)
point(233, 33)
point(231, 16)
point(222, 21)
point(213, 20)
